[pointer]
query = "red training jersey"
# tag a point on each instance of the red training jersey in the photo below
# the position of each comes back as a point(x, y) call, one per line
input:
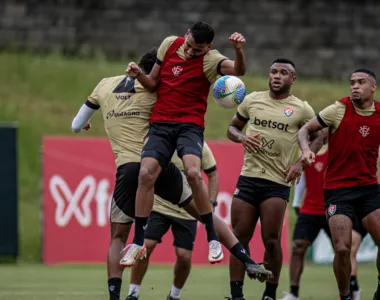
point(354, 149)
point(313, 203)
point(183, 89)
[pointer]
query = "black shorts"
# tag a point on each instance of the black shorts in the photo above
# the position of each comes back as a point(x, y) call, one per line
point(358, 201)
point(256, 190)
point(184, 231)
point(308, 226)
point(170, 185)
point(166, 137)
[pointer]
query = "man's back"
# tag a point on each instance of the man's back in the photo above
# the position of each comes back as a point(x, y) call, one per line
point(126, 109)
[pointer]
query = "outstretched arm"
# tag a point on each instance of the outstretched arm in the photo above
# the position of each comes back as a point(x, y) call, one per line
point(81, 120)
point(238, 66)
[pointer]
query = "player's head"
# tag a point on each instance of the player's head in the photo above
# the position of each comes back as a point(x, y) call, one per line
point(282, 75)
point(198, 40)
point(363, 85)
point(148, 60)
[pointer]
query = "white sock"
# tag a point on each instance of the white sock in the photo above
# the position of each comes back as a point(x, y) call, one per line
point(134, 289)
point(175, 293)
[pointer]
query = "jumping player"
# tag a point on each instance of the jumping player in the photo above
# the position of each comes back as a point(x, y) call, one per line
point(183, 73)
point(274, 118)
point(183, 226)
point(351, 184)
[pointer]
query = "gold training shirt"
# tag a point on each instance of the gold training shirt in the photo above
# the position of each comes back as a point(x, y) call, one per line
point(278, 122)
point(210, 62)
point(165, 207)
point(126, 108)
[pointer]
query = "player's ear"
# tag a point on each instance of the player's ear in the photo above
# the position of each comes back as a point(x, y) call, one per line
point(187, 33)
point(373, 87)
point(294, 79)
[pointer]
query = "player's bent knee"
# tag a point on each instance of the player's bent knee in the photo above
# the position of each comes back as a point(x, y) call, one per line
point(183, 255)
point(120, 231)
point(147, 176)
point(243, 238)
point(150, 244)
point(272, 245)
point(342, 249)
point(299, 247)
point(193, 175)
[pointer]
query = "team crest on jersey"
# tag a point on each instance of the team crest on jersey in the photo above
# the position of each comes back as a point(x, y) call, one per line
point(331, 210)
point(288, 111)
point(364, 130)
point(177, 70)
point(319, 166)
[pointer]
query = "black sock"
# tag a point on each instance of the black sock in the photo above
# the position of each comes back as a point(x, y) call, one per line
point(241, 254)
point(140, 225)
point(354, 286)
point(345, 297)
point(209, 225)
point(270, 290)
point(294, 290)
point(114, 286)
point(236, 289)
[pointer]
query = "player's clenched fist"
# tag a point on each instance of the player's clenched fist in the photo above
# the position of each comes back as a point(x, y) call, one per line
point(237, 40)
point(133, 69)
point(251, 142)
point(308, 157)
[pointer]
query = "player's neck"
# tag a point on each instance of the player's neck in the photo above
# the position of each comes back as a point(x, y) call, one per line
point(364, 104)
point(278, 96)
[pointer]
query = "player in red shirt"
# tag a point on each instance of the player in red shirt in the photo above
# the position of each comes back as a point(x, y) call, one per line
point(311, 219)
point(182, 76)
point(351, 183)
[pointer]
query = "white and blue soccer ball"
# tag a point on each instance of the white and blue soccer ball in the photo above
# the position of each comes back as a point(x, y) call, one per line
point(229, 91)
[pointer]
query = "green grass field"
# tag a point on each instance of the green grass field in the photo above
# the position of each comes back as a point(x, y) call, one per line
point(36, 282)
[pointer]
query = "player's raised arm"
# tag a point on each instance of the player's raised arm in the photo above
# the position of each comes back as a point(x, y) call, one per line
point(304, 134)
point(150, 82)
point(238, 66)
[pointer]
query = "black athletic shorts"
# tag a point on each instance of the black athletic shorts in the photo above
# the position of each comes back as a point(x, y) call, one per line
point(308, 226)
point(358, 201)
point(256, 190)
point(166, 137)
point(170, 185)
point(184, 231)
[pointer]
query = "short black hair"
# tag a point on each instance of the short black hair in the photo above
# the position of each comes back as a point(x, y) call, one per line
point(202, 33)
point(366, 71)
point(148, 60)
point(284, 61)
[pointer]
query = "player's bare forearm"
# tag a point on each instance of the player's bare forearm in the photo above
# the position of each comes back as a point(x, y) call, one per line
point(240, 62)
point(235, 134)
point(213, 185)
point(305, 133)
point(148, 82)
point(316, 141)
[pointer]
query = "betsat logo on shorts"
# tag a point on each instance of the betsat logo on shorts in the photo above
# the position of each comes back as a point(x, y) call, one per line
point(236, 191)
point(331, 210)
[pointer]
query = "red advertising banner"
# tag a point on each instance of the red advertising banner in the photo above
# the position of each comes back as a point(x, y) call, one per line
point(78, 181)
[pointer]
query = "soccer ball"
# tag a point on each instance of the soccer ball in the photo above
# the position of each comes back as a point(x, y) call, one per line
point(229, 91)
